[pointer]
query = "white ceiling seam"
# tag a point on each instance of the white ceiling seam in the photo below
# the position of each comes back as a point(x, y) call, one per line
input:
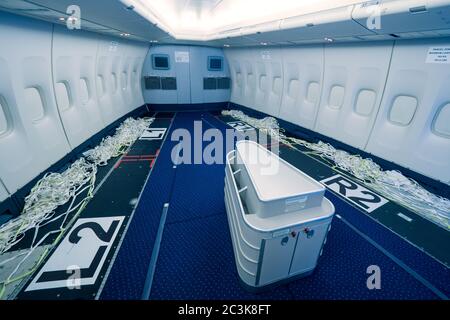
point(323, 21)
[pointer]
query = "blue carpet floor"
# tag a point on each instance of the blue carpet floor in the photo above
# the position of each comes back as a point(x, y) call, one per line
point(196, 258)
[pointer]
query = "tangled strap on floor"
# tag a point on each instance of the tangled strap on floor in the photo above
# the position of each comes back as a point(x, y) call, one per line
point(52, 191)
point(57, 189)
point(390, 183)
point(112, 146)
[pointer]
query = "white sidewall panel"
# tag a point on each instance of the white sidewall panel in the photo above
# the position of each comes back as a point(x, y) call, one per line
point(109, 59)
point(269, 80)
point(303, 71)
point(75, 67)
point(137, 58)
point(415, 145)
point(244, 77)
point(354, 75)
point(130, 75)
point(35, 138)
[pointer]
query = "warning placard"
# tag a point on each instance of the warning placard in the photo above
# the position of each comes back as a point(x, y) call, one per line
point(438, 55)
point(181, 56)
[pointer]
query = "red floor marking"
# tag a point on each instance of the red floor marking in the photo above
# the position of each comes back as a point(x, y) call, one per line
point(135, 158)
point(140, 157)
point(152, 160)
point(118, 163)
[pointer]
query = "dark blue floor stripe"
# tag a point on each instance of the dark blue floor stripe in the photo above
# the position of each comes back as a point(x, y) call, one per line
point(397, 261)
point(155, 253)
point(427, 267)
point(128, 274)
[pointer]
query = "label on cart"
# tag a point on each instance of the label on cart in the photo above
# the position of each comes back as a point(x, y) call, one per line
point(358, 195)
point(295, 204)
point(280, 233)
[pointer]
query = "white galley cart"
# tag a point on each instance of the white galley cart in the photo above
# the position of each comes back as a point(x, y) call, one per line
point(278, 217)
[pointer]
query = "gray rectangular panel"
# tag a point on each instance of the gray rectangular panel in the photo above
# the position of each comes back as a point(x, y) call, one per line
point(223, 83)
point(209, 84)
point(152, 83)
point(169, 83)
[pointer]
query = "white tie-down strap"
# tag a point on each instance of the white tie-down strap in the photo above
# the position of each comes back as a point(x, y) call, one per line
point(112, 146)
point(58, 189)
point(390, 184)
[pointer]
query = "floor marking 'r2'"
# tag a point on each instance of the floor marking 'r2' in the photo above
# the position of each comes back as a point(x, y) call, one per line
point(360, 196)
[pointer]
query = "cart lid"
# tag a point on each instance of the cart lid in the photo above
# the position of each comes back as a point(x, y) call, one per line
point(272, 177)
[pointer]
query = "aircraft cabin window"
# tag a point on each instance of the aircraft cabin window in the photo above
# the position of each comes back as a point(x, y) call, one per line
point(403, 110)
point(441, 123)
point(33, 100)
point(3, 118)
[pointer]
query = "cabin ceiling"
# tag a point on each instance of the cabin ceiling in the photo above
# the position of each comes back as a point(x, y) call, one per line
point(237, 23)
